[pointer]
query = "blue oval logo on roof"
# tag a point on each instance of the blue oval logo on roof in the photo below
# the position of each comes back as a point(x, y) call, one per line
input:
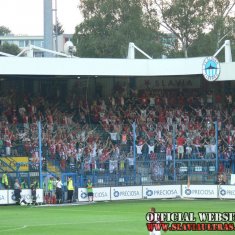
point(211, 69)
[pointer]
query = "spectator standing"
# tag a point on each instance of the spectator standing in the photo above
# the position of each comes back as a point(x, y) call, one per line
point(8, 145)
point(131, 161)
point(1, 146)
point(180, 146)
point(139, 148)
point(114, 137)
point(168, 154)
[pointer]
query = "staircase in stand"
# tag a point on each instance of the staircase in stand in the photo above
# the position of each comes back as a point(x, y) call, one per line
point(53, 168)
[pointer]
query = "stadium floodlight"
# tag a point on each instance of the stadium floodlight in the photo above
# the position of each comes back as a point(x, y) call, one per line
point(131, 51)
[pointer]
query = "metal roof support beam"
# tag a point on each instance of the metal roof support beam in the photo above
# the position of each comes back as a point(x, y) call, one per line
point(131, 51)
point(6, 54)
point(227, 51)
point(30, 48)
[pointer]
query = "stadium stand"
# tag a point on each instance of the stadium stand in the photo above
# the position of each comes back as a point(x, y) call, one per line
point(95, 137)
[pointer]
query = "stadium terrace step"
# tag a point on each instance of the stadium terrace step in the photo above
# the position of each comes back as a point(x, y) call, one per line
point(6, 165)
point(53, 168)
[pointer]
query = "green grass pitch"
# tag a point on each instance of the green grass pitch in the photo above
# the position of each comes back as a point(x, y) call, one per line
point(101, 218)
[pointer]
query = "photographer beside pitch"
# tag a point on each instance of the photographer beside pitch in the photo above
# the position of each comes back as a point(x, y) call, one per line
point(17, 191)
point(33, 188)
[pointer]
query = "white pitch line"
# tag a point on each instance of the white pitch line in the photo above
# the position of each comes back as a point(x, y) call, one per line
point(85, 222)
point(13, 229)
point(78, 210)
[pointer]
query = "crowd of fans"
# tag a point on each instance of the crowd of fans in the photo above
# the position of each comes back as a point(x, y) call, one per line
point(98, 135)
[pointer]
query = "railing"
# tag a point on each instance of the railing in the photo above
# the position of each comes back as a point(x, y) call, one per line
point(114, 157)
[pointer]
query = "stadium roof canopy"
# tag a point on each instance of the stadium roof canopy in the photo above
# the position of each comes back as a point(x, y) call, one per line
point(54, 66)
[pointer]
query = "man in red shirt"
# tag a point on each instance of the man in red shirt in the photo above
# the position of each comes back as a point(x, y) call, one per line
point(180, 146)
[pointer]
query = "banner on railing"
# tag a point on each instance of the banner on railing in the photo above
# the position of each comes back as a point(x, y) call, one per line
point(232, 178)
point(100, 194)
point(199, 191)
point(125, 193)
point(135, 192)
point(3, 197)
point(226, 191)
point(26, 195)
point(161, 191)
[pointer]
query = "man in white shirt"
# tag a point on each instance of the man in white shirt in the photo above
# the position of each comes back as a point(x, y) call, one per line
point(58, 190)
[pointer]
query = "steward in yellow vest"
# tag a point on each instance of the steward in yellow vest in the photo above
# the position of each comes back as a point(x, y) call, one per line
point(70, 188)
point(5, 181)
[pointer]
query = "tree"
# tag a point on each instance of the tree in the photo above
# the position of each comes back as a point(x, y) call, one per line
point(4, 31)
point(6, 47)
point(10, 48)
point(204, 45)
point(186, 19)
point(109, 26)
point(58, 29)
point(221, 19)
point(221, 27)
